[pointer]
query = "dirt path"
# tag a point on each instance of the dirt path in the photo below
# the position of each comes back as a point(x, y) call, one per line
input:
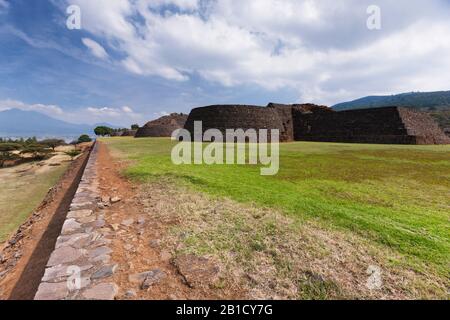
point(136, 246)
point(25, 255)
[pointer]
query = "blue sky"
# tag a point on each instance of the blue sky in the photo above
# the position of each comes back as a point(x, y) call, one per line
point(135, 60)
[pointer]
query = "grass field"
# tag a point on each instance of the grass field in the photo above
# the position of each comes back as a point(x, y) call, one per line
point(397, 197)
point(22, 190)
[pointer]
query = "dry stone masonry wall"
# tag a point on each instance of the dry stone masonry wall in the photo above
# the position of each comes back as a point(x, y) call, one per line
point(308, 122)
point(80, 267)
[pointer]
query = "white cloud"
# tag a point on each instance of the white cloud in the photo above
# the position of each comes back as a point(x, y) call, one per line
point(90, 115)
point(51, 110)
point(118, 115)
point(95, 48)
point(323, 49)
point(161, 114)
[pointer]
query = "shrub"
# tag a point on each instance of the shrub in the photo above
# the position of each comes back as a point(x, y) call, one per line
point(38, 151)
point(7, 156)
point(7, 147)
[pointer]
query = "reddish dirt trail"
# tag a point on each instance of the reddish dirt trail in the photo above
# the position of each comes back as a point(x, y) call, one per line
point(135, 247)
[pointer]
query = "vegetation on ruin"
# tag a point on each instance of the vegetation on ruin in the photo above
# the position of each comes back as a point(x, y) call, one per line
point(394, 196)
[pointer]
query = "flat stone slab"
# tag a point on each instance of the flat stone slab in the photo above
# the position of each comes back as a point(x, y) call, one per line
point(86, 220)
point(65, 255)
point(105, 272)
point(82, 206)
point(70, 226)
point(197, 271)
point(61, 273)
point(52, 291)
point(103, 291)
point(77, 240)
point(79, 214)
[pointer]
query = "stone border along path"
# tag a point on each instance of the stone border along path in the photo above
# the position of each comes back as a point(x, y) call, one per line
point(80, 268)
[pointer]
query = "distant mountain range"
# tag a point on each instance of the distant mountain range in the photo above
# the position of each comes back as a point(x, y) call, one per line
point(439, 100)
point(19, 123)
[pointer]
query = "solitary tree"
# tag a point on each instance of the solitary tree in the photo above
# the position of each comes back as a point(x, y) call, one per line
point(135, 127)
point(103, 131)
point(84, 138)
point(53, 143)
point(6, 152)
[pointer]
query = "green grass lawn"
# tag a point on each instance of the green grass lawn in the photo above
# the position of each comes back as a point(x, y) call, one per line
point(22, 192)
point(396, 196)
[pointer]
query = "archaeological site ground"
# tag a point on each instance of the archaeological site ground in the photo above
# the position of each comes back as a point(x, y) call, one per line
point(204, 159)
point(140, 227)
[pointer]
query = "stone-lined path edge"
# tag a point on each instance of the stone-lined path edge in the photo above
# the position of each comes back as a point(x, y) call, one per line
point(80, 267)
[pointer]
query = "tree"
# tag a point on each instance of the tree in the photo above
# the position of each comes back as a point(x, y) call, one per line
point(84, 138)
point(6, 152)
point(7, 147)
point(103, 131)
point(135, 127)
point(73, 153)
point(32, 140)
point(7, 156)
point(53, 143)
point(38, 151)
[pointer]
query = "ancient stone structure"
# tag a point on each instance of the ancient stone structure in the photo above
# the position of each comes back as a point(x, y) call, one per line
point(129, 133)
point(390, 125)
point(309, 122)
point(235, 117)
point(286, 113)
point(80, 267)
point(162, 127)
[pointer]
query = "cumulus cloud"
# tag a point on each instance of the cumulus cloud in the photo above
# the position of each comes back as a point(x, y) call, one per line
point(95, 48)
point(323, 49)
point(118, 115)
point(88, 115)
point(51, 110)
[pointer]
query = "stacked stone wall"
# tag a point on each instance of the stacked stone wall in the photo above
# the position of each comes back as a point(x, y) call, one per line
point(235, 117)
point(80, 267)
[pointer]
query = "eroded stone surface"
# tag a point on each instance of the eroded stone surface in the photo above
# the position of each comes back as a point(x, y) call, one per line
point(103, 291)
point(78, 240)
point(197, 271)
point(105, 272)
point(52, 291)
point(71, 226)
point(79, 214)
point(61, 273)
point(65, 255)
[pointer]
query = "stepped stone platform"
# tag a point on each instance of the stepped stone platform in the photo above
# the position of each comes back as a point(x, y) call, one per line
point(80, 267)
point(387, 125)
point(162, 127)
